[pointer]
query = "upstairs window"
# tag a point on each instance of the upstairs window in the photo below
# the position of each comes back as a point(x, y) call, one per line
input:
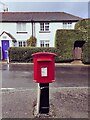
point(44, 26)
point(67, 25)
point(44, 43)
point(21, 27)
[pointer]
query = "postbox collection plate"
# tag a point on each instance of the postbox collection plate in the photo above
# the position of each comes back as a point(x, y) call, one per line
point(44, 72)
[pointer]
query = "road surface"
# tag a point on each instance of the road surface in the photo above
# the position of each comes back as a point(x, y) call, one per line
point(21, 76)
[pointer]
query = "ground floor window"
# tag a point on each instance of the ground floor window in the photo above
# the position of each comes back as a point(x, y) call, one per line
point(22, 43)
point(44, 43)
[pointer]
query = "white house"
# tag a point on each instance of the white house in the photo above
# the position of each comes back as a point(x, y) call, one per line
point(17, 27)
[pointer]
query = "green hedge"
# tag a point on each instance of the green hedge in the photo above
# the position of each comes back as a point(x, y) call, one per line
point(64, 42)
point(86, 52)
point(23, 54)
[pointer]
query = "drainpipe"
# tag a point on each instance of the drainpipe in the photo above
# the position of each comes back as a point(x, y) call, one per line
point(32, 27)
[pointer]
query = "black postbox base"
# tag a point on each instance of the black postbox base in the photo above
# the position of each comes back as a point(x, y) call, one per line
point(44, 98)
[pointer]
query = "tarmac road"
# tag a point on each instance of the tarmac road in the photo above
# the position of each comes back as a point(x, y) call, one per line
point(21, 76)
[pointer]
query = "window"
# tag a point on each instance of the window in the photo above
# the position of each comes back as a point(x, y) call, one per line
point(22, 44)
point(44, 43)
point(21, 27)
point(44, 26)
point(47, 43)
point(67, 25)
point(41, 26)
point(64, 25)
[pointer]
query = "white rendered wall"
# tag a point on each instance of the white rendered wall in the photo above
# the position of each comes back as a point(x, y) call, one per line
point(50, 35)
point(12, 29)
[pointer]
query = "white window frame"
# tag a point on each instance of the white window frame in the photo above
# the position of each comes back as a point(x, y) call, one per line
point(44, 43)
point(21, 27)
point(22, 43)
point(44, 26)
point(67, 25)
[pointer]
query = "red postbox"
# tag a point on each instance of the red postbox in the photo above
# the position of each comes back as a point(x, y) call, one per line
point(44, 67)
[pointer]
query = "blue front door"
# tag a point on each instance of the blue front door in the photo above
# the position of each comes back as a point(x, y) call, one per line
point(5, 46)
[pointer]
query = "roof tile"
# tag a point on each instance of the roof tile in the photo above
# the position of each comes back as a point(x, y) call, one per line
point(37, 16)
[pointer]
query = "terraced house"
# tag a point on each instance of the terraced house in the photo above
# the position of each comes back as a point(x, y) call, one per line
point(17, 27)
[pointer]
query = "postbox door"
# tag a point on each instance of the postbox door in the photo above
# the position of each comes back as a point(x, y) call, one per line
point(45, 72)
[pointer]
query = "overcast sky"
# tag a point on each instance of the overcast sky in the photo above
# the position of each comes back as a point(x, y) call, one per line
point(77, 8)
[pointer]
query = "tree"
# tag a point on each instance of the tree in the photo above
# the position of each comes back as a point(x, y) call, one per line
point(84, 26)
point(31, 41)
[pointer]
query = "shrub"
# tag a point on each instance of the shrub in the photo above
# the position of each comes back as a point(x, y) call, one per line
point(83, 25)
point(24, 54)
point(31, 41)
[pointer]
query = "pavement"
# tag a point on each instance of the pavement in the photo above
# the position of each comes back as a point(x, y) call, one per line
point(65, 102)
point(76, 62)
